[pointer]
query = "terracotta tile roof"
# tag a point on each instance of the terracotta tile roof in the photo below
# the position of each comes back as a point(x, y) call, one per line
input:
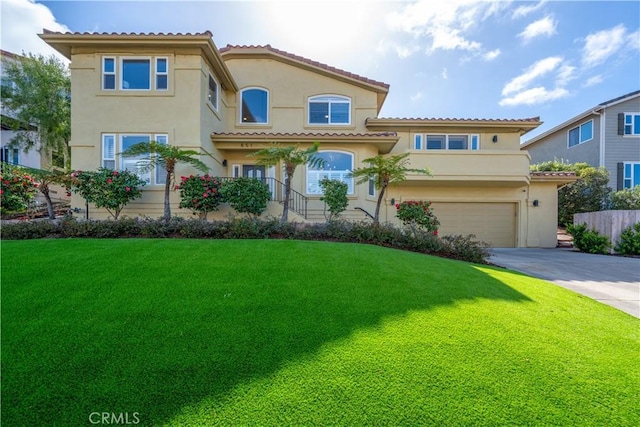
point(549, 173)
point(8, 54)
point(455, 119)
point(307, 134)
point(298, 58)
point(206, 33)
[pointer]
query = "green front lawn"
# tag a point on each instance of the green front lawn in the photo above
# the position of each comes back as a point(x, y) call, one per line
point(206, 332)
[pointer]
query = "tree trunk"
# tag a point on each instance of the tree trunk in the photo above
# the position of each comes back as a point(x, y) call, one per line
point(167, 204)
point(287, 196)
point(376, 216)
point(44, 189)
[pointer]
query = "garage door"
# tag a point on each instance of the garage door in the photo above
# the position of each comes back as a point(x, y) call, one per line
point(494, 223)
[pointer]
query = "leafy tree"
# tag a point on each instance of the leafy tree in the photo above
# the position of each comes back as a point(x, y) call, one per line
point(291, 157)
point(200, 193)
point(107, 188)
point(385, 171)
point(39, 103)
point(45, 178)
point(588, 194)
point(246, 195)
point(334, 195)
point(166, 157)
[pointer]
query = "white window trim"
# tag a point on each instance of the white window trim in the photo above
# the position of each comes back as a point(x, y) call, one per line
point(111, 73)
point(104, 149)
point(151, 74)
point(579, 127)
point(624, 176)
point(119, 159)
point(371, 190)
point(157, 73)
point(240, 107)
point(341, 100)
point(342, 174)
point(469, 136)
point(632, 134)
point(215, 105)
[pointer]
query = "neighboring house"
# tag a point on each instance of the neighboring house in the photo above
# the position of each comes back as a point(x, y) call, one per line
point(181, 89)
point(8, 154)
point(606, 135)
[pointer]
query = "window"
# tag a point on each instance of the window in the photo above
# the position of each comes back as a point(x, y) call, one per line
point(631, 176)
point(632, 123)
point(136, 164)
point(136, 74)
point(254, 106)
point(108, 73)
point(212, 95)
point(328, 109)
point(10, 155)
point(162, 74)
point(337, 165)
point(372, 187)
point(580, 134)
point(446, 142)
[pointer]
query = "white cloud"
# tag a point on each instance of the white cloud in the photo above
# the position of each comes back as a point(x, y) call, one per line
point(566, 73)
point(542, 27)
point(538, 69)
point(491, 55)
point(403, 51)
point(536, 95)
point(444, 73)
point(416, 97)
point(522, 11)
point(22, 21)
point(445, 24)
point(633, 40)
point(601, 45)
point(592, 81)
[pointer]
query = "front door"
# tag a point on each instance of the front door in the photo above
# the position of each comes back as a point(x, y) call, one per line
point(253, 171)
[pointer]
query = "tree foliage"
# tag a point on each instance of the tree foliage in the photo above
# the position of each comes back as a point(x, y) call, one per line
point(246, 195)
point(627, 199)
point(200, 193)
point(155, 154)
point(417, 214)
point(17, 189)
point(38, 100)
point(291, 157)
point(385, 171)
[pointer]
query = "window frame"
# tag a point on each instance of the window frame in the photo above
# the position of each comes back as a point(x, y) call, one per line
point(332, 99)
point(217, 91)
point(10, 155)
point(267, 112)
point(155, 176)
point(579, 128)
point(350, 185)
point(634, 132)
point(161, 73)
point(106, 158)
point(630, 177)
point(371, 190)
point(138, 58)
point(421, 141)
point(109, 73)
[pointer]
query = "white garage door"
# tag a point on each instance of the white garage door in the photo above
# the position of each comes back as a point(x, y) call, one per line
point(494, 223)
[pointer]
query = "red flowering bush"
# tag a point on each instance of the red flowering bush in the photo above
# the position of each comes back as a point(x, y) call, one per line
point(200, 193)
point(17, 189)
point(106, 188)
point(418, 215)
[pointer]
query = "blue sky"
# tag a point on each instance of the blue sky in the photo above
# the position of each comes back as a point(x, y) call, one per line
point(453, 58)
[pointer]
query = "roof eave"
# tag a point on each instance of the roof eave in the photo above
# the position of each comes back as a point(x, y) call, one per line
point(520, 126)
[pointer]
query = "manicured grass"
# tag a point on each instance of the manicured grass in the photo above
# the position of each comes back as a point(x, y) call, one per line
point(188, 332)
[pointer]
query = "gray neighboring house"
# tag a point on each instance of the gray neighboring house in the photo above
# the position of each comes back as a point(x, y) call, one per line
point(606, 135)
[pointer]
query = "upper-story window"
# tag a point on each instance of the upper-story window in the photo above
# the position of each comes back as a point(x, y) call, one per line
point(255, 106)
point(329, 109)
point(336, 165)
point(212, 92)
point(632, 123)
point(446, 142)
point(135, 73)
point(580, 134)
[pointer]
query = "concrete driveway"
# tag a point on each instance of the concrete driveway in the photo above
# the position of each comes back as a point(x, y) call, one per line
point(612, 280)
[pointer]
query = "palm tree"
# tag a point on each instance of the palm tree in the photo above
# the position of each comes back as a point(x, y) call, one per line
point(385, 171)
point(166, 157)
point(291, 157)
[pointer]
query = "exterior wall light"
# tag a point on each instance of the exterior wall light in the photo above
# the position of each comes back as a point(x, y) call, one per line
point(495, 138)
point(536, 203)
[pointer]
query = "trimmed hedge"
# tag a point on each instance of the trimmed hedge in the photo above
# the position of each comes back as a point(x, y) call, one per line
point(464, 248)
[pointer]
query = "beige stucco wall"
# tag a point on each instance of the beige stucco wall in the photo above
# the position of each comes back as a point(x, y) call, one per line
point(542, 220)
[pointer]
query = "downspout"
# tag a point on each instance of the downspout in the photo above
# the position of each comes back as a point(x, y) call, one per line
point(602, 128)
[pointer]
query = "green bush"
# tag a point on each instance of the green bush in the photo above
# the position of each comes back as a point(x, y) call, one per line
point(28, 230)
point(417, 215)
point(465, 248)
point(627, 199)
point(334, 195)
point(629, 243)
point(201, 193)
point(589, 241)
point(246, 195)
point(17, 189)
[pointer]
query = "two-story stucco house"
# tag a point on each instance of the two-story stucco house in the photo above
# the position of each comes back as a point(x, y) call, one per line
point(606, 135)
point(227, 103)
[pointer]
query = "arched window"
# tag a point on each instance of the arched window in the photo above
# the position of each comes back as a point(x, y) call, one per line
point(337, 165)
point(255, 106)
point(329, 109)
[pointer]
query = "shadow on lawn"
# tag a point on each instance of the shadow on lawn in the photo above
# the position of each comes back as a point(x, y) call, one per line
point(186, 335)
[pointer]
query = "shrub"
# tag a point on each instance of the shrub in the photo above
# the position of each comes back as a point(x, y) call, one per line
point(465, 248)
point(200, 193)
point(627, 199)
point(246, 195)
point(334, 196)
point(589, 241)
point(28, 230)
point(629, 243)
point(17, 189)
point(107, 188)
point(417, 215)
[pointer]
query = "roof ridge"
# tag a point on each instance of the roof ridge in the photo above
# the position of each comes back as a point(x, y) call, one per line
point(104, 33)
